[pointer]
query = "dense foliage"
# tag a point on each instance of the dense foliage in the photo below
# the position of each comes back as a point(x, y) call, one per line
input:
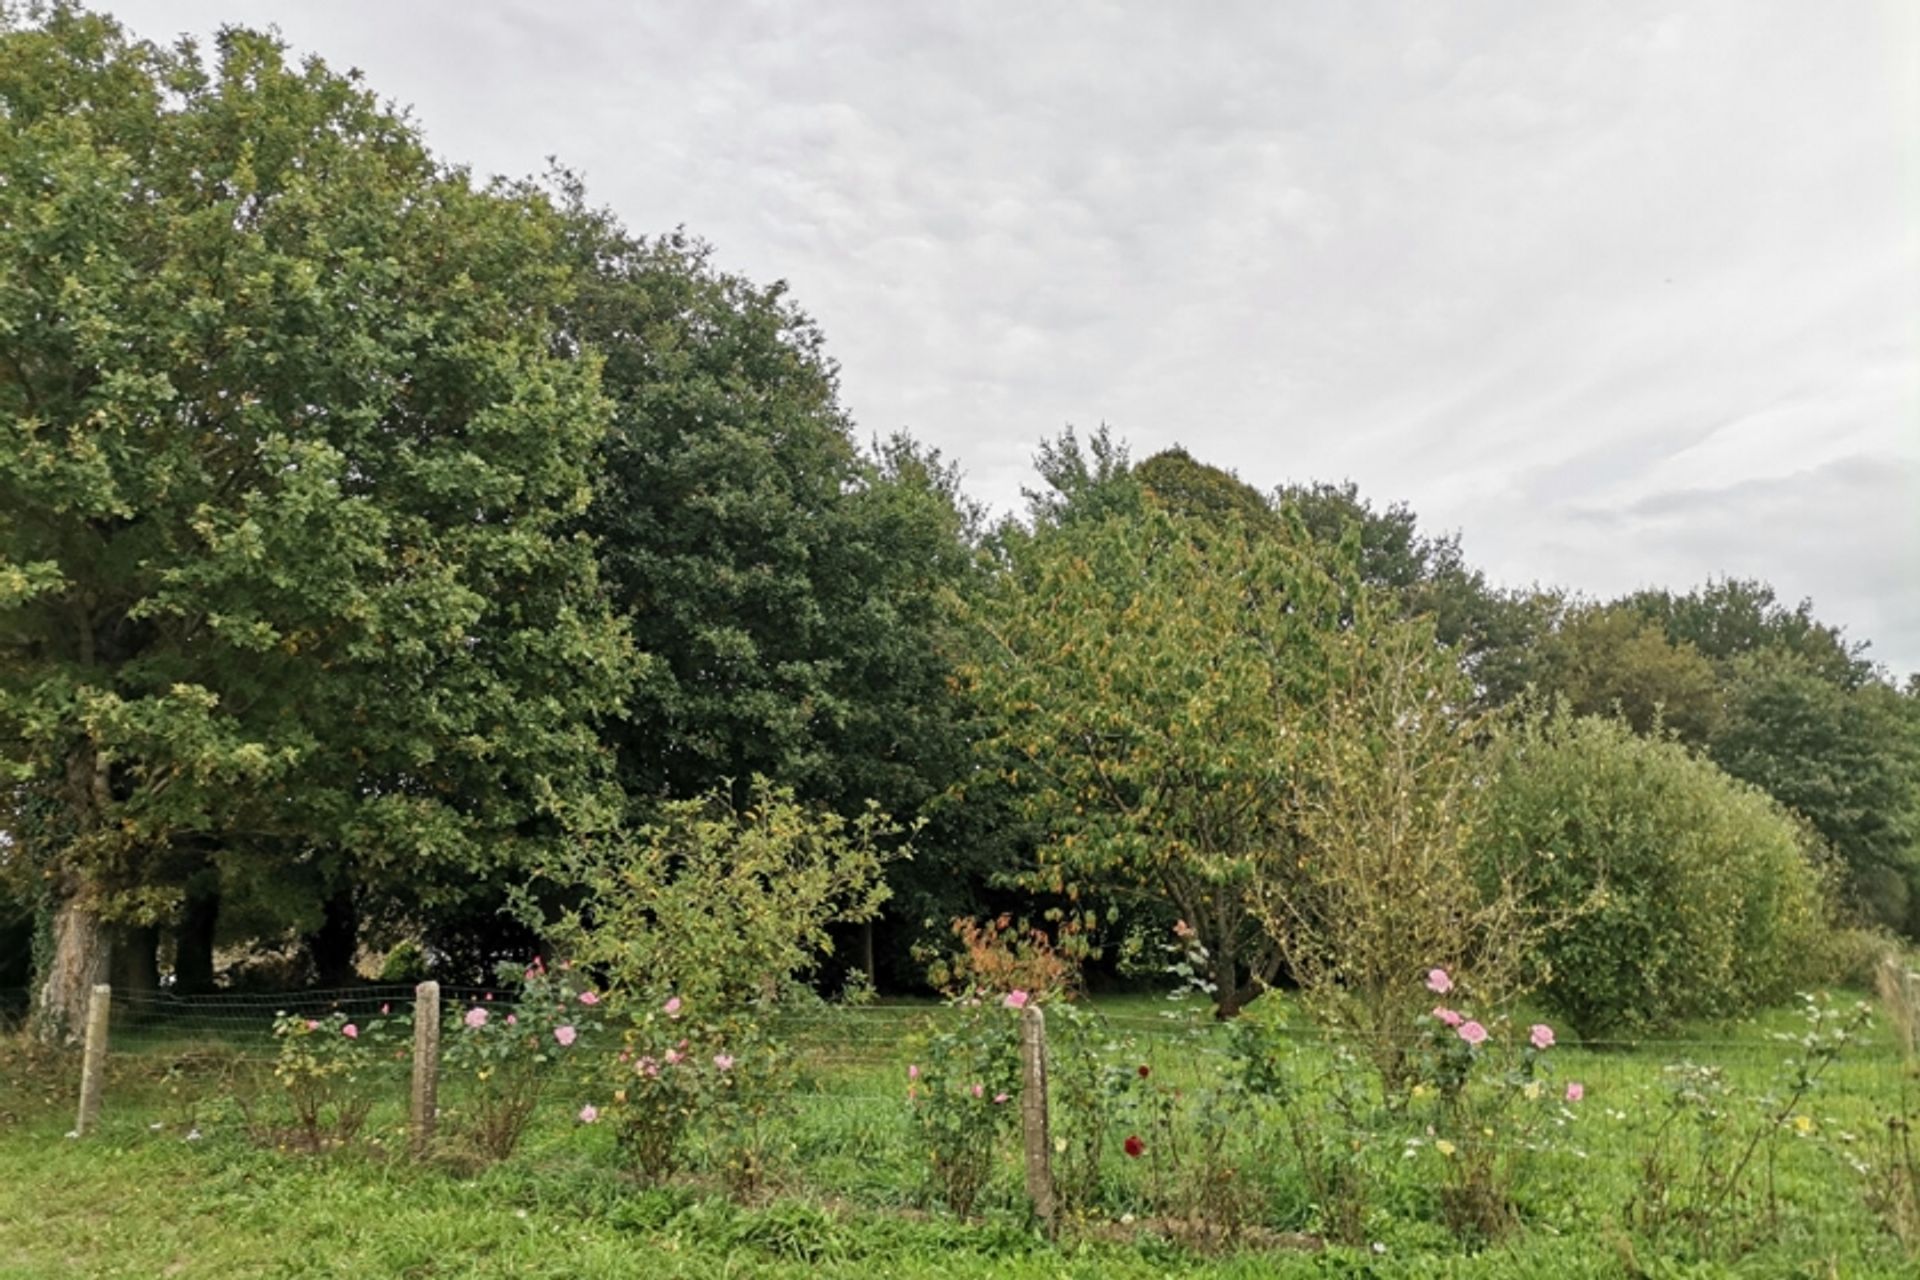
point(1674, 891)
point(287, 456)
point(1153, 684)
point(371, 536)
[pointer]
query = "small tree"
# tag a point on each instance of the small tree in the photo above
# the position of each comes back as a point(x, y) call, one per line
point(718, 905)
point(1384, 888)
point(1151, 683)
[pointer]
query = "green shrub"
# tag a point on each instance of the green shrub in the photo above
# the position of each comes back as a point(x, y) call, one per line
point(407, 962)
point(1673, 890)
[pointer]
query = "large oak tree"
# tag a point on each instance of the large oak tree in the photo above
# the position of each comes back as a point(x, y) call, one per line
point(288, 448)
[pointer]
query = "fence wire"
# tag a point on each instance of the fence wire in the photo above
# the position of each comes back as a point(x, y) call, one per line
point(240, 1024)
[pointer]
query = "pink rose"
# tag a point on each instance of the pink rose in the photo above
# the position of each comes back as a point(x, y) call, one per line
point(1447, 1015)
point(386, 1009)
point(674, 1057)
point(646, 1067)
point(672, 1007)
point(1016, 1000)
point(979, 1091)
point(476, 1017)
point(350, 1031)
point(1541, 1035)
point(999, 1097)
point(589, 1113)
point(1575, 1091)
point(565, 1035)
point(513, 1019)
point(721, 1062)
point(913, 1071)
point(1438, 982)
point(313, 1024)
point(1473, 1033)
point(589, 998)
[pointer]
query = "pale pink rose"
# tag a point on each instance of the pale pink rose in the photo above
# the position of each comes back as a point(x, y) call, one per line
point(722, 1062)
point(513, 1019)
point(350, 1031)
point(565, 1035)
point(313, 1024)
point(672, 1007)
point(674, 1057)
point(1472, 1033)
point(476, 1017)
point(1016, 1000)
point(589, 1113)
point(386, 1008)
point(1575, 1091)
point(589, 998)
point(1438, 982)
point(913, 1071)
point(1541, 1035)
point(646, 1067)
point(999, 1097)
point(1447, 1015)
point(979, 1091)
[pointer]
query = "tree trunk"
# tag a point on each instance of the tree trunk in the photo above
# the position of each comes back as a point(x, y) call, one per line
point(134, 965)
point(82, 950)
point(1226, 976)
point(193, 941)
point(333, 944)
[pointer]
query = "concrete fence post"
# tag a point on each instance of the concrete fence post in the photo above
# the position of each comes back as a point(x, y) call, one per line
point(426, 1066)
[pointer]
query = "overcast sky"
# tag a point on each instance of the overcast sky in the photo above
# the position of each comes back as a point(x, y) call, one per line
point(1624, 293)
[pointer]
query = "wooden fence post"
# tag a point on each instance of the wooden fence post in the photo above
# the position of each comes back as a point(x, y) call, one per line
point(1033, 1113)
point(93, 1059)
point(426, 1065)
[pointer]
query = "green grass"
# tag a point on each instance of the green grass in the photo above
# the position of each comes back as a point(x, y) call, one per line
point(137, 1200)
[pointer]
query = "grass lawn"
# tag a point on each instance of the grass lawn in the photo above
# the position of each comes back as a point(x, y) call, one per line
point(141, 1199)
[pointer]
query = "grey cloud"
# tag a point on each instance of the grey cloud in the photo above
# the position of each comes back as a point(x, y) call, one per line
point(1622, 291)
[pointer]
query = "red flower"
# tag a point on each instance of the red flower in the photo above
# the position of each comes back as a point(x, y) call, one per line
point(1134, 1147)
point(1145, 1071)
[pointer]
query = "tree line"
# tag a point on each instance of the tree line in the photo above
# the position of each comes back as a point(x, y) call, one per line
point(371, 535)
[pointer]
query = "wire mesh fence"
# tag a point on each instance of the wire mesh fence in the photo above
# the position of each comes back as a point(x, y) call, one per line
point(181, 1064)
point(164, 1023)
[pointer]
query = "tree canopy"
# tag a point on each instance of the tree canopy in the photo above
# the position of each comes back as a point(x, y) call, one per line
point(287, 455)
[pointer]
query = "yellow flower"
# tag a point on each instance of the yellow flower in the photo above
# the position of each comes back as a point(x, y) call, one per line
point(1803, 1123)
point(1445, 1148)
point(1532, 1091)
point(1421, 1090)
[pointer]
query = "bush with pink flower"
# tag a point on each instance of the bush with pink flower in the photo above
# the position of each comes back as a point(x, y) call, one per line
point(1481, 1082)
point(689, 1078)
point(329, 1070)
point(500, 1058)
point(960, 1090)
